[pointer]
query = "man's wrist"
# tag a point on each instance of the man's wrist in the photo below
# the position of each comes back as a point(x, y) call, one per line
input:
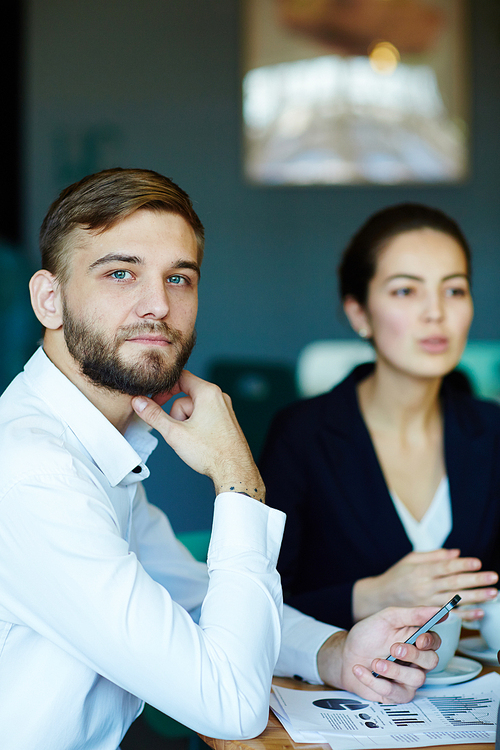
point(255, 490)
point(330, 659)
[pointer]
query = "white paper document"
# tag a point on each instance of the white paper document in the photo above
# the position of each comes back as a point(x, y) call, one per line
point(456, 714)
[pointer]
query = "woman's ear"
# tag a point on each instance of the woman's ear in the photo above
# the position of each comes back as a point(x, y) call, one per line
point(357, 317)
point(46, 299)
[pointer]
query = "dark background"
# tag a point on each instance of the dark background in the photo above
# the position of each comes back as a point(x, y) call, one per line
point(156, 83)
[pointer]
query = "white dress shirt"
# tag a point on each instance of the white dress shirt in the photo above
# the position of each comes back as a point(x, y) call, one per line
point(101, 608)
point(434, 528)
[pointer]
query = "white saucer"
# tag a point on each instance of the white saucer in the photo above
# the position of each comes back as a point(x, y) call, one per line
point(477, 648)
point(458, 670)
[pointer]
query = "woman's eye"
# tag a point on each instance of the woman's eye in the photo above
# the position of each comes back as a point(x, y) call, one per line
point(121, 275)
point(456, 292)
point(403, 291)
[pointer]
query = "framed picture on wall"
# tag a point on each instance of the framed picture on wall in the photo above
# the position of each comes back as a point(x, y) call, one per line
point(355, 91)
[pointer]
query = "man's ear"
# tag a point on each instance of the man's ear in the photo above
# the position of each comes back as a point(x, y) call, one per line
point(46, 299)
point(357, 317)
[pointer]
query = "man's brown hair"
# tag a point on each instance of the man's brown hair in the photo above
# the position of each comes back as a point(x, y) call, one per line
point(101, 200)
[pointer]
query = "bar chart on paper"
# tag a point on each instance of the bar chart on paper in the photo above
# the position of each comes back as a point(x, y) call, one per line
point(437, 716)
point(403, 717)
point(465, 712)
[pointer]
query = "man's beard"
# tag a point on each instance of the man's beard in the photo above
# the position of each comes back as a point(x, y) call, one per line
point(100, 362)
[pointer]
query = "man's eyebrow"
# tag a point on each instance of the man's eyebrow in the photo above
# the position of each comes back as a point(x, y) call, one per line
point(136, 260)
point(187, 264)
point(115, 258)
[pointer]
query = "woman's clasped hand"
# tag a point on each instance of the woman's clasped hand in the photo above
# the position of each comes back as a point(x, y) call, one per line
point(427, 577)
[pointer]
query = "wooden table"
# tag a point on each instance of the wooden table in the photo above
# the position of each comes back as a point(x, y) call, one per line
point(274, 737)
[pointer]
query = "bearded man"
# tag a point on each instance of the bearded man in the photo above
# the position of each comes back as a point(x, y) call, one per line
point(101, 608)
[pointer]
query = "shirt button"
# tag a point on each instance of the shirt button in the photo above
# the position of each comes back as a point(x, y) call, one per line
point(137, 470)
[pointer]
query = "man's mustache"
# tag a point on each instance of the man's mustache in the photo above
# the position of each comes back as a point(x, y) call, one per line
point(157, 327)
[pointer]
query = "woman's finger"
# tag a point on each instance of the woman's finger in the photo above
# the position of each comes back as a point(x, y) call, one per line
point(470, 615)
point(435, 555)
point(469, 581)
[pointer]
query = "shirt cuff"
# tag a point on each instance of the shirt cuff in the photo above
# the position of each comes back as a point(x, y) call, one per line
point(302, 638)
point(242, 524)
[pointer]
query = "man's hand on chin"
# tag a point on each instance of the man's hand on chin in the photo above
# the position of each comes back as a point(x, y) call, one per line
point(204, 432)
point(346, 660)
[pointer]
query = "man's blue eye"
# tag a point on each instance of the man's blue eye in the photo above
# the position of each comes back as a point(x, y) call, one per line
point(120, 275)
point(176, 279)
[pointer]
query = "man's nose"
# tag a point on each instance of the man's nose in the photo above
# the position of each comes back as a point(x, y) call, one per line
point(153, 302)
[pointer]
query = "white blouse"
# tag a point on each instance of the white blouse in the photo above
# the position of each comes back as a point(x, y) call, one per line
point(432, 531)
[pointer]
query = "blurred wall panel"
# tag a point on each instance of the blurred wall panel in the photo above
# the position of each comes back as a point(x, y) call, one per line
point(11, 96)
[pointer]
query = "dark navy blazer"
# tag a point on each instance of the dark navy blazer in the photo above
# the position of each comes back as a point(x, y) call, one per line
point(320, 467)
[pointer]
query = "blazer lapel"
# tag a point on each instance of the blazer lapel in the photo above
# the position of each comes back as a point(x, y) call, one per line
point(348, 439)
point(468, 455)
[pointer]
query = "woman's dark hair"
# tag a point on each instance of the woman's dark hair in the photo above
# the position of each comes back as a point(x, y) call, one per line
point(359, 261)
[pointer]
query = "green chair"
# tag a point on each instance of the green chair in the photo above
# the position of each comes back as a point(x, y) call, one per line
point(481, 363)
point(258, 389)
point(197, 543)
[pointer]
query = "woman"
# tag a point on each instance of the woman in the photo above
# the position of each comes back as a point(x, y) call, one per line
point(391, 482)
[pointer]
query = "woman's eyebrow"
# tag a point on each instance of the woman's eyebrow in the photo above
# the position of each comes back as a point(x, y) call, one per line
point(404, 276)
point(420, 278)
point(456, 276)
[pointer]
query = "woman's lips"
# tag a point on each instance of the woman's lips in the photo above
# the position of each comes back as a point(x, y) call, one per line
point(434, 344)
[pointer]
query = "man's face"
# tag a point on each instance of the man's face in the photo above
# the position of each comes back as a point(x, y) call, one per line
point(129, 307)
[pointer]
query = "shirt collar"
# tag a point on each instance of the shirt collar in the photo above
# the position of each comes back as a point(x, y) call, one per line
point(118, 456)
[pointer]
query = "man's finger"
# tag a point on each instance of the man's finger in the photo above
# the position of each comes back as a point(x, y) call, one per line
point(423, 655)
point(400, 617)
point(429, 641)
point(406, 675)
point(389, 690)
point(151, 413)
point(189, 383)
point(182, 408)
point(162, 398)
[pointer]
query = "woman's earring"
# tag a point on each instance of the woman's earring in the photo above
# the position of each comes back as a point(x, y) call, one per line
point(363, 332)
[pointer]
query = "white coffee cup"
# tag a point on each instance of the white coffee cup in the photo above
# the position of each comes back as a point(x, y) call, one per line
point(490, 624)
point(449, 632)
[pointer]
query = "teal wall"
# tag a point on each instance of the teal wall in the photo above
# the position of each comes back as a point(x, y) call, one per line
point(156, 83)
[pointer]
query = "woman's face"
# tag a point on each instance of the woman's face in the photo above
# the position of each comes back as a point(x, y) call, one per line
point(419, 308)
